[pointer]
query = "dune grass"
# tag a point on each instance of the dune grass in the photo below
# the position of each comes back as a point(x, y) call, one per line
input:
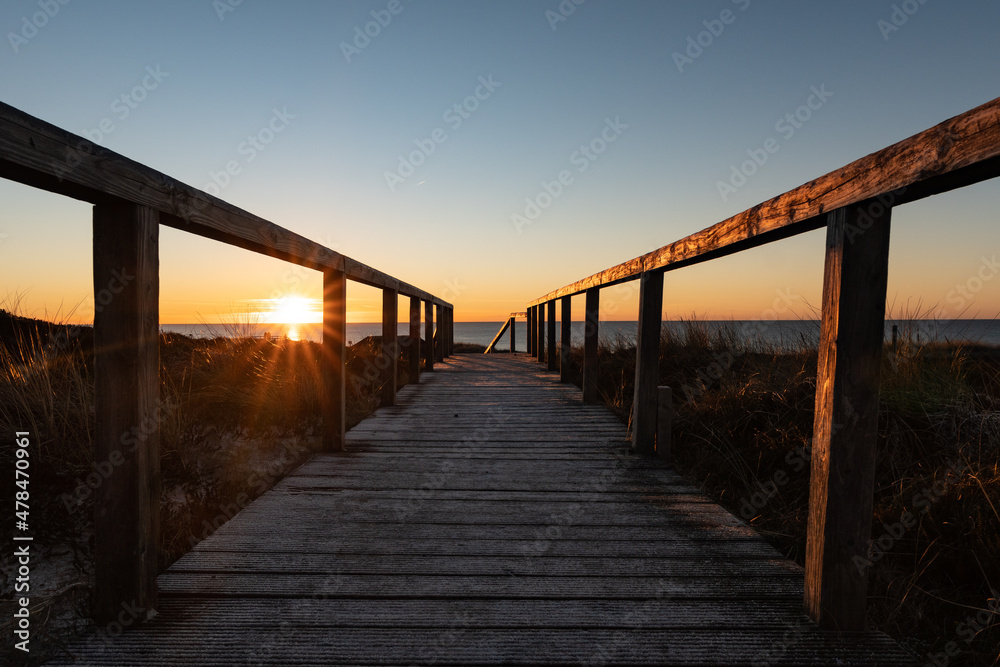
point(743, 424)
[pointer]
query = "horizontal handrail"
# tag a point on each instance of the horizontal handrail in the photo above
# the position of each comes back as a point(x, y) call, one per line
point(39, 154)
point(958, 152)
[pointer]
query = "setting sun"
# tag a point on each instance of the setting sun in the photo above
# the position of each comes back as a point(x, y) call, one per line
point(294, 309)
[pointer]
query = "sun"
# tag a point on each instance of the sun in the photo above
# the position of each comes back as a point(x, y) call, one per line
point(293, 309)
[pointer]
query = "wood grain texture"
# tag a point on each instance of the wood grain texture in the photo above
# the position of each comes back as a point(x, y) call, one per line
point(429, 356)
point(334, 359)
point(844, 432)
point(591, 331)
point(389, 352)
point(44, 156)
point(647, 363)
point(414, 353)
point(467, 537)
point(128, 410)
point(551, 358)
point(958, 152)
point(565, 338)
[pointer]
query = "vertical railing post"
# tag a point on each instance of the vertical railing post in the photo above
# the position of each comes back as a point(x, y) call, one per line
point(127, 408)
point(413, 368)
point(565, 337)
point(513, 337)
point(844, 432)
point(428, 335)
point(540, 333)
point(333, 368)
point(550, 351)
point(529, 329)
point(390, 344)
point(451, 331)
point(590, 338)
point(439, 334)
point(647, 362)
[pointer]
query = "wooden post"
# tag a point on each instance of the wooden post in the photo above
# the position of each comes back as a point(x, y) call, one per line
point(333, 370)
point(413, 370)
point(513, 324)
point(565, 337)
point(127, 407)
point(540, 333)
point(647, 362)
point(550, 351)
point(389, 355)
point(450, 329)
point(439, 334)
point(530, 323)
point(590, 339)
point(843, 447)
point(429, 335)
point(664, 424)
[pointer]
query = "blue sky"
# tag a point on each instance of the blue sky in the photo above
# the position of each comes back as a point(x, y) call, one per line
point(327, 132)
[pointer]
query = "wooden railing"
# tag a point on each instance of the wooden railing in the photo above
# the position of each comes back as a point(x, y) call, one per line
point(509, 324)
point(854, 204)
point(131, 201)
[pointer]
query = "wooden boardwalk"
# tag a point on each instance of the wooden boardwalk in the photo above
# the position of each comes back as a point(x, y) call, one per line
point(488, 518)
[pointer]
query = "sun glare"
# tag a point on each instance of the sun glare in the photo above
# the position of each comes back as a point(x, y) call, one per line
point(294, 310)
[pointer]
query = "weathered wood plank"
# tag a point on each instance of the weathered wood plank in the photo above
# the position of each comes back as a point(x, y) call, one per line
point(389, 350)
point(647, 363)
point(844, 433)
point(958, 152)
point(590, 345)
point(565, 338)
point(413, 370)
point(334, 359)
point(128, 410)
point(552, 361)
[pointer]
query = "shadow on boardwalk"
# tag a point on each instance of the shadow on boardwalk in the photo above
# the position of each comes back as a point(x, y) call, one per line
point(488, 518)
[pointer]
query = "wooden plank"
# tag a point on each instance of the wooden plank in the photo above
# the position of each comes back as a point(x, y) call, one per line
point(565, 338)
point(552, 360)
point(429, 335)
point(647, 363)
point(44, 156)
point(334, 371)
point(958, 152)
point(389, 349)
point(439, 334)
point(513, 334)
point(530, 317)
point(590, 344)
point(414, 355)
point(128, 410)
point(790, 642)
point(844, 432)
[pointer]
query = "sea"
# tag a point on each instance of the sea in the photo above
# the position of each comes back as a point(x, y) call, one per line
point(782, 334)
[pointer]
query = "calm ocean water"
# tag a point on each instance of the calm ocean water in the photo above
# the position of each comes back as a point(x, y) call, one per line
point(786, 333)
